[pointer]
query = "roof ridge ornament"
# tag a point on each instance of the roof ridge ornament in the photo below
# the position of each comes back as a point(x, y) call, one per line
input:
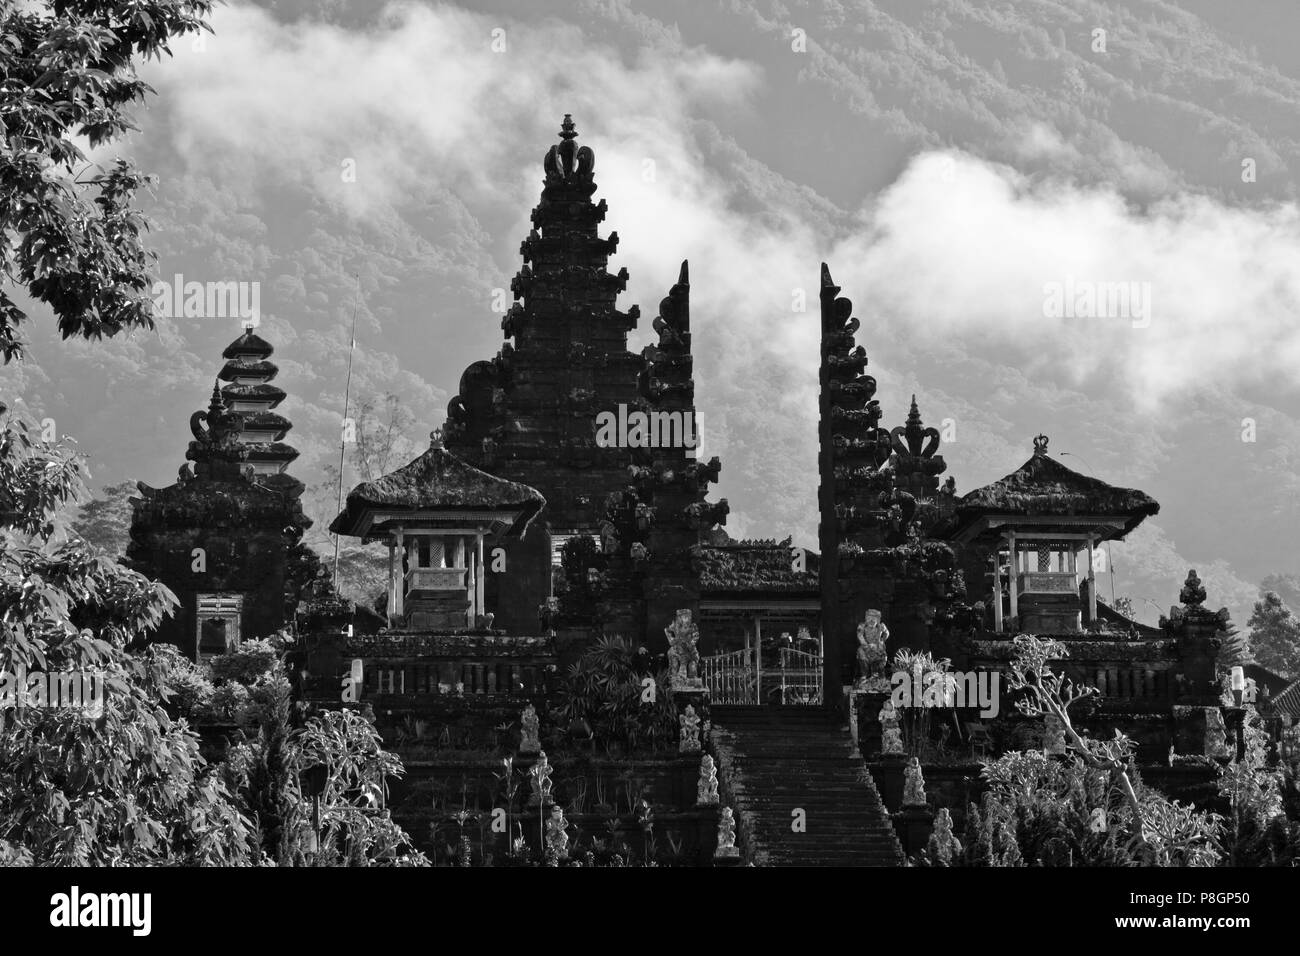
point(567, 161)
point(1040, 445)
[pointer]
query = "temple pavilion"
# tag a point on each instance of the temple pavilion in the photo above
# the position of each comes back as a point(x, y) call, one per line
point(440, 518)
point(1037, 530)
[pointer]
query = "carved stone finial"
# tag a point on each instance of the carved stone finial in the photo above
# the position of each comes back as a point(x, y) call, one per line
point(1193, 592)
point(1040, 444)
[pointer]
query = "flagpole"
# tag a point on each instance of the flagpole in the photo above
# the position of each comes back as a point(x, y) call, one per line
point(347, 394)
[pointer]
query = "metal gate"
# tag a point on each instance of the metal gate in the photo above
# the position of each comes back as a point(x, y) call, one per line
point(800, 677)
point(730, 678)
point(737, 678)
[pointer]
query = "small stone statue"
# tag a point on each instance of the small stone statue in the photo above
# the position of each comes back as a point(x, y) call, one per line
point(943, 845)
point(557, 841)
point(608, 538)
point(639, 552)
point(689, 741)
point(913, 784)
point(683, 656)
point(547, 612)
point(1053, 735)
point(872, 635)
point(726, 835)
point(529, 741)
point(707, 791)
point(540, 778)
point(891, 737)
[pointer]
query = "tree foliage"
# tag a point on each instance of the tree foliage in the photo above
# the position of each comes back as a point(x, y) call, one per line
point(126, 785)
point(71, 235)
point(1275, 635)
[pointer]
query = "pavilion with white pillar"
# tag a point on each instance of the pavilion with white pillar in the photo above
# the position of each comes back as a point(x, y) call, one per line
point(1042, 527)
point(440, 518)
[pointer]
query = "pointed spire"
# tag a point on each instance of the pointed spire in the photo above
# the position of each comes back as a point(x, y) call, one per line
point(566, 127)
point(826, 276)
point(216, 405)
point(683, 278)
point(914, 415)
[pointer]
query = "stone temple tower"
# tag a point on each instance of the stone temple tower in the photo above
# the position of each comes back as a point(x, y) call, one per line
point(529, 414)
point(226, 538)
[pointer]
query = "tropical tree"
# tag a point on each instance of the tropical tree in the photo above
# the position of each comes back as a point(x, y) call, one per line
point(1275, 635)
point(122, 782)
point(105, 521)
point(69, 230)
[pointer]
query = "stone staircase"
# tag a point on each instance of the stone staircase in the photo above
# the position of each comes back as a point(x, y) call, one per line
point(790, 758)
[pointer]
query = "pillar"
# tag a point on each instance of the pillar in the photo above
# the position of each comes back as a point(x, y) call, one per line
point(1092, 584)
point(997, 590)
point(399, 593)
point(1013, 570)
point(480, 606)
point(392, 584)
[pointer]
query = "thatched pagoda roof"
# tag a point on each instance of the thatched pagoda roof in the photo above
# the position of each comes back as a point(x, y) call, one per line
point(438, 481)
point(1044, 487)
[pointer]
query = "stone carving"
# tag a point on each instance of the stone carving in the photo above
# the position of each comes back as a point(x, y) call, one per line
point(943, 845)
point(726, 835)
point(547, 612)
point(706, 793)
point(529, 741)
point(872, 655)
point(540, 779)
point(891, 737)
point(1053, 735)
point(1193, 591)
point(683, 656)
point(913, 784)
point(689, 740)
point(557, 840)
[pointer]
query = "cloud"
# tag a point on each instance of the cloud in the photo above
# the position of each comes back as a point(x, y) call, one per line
point(963, 247)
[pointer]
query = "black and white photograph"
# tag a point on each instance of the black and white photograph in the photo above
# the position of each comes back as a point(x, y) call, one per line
point(729, 435)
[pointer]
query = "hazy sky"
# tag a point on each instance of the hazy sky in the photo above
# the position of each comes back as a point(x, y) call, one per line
point(948, 160)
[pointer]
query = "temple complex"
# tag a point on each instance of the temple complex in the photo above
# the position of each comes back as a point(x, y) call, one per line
point(562, 507)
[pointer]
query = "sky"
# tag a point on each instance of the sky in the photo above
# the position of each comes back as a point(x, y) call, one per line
point(951, 161)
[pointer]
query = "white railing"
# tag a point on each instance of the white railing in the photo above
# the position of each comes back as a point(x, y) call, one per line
point(729, 678)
